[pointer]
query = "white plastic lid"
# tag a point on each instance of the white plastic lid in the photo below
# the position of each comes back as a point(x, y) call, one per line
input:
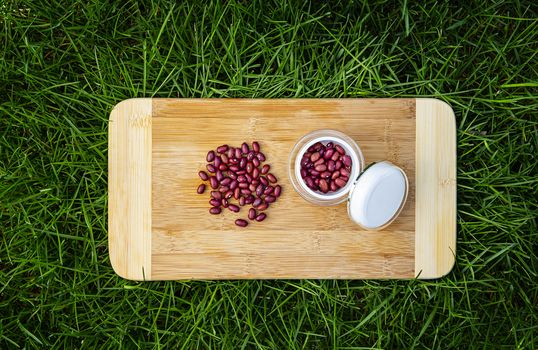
point(378, 196)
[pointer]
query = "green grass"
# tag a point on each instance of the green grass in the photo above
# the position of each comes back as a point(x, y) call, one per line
point(64, 65)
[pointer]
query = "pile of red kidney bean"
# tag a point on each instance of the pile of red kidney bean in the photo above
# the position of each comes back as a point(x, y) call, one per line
point(325, 167)
point(238, 173)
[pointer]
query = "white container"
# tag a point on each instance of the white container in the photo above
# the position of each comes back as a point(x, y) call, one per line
point(375, 195)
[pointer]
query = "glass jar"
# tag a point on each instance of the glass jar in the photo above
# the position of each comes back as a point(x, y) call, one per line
point(375, 195)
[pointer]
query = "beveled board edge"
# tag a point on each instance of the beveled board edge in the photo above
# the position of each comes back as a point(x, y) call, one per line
point(435, 205)
point(129, 188)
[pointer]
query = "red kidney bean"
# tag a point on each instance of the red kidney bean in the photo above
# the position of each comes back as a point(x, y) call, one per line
point(220, 175)
point(315, 147)
point(346, 160)
point(259, 190)
point(255, 182)
point(345, 178)
point(314, 157)
point(249, 167)
point(330, 165)
point(234, 208)
point(224, 203)
point(261, 217)
point(251, 155)
point(245, 191)
point(243, 185)
point(325, 174)
point(329, 144)
point(249, 199)
point(256, 146)
point(214, 202)
point(277, 191)
point(314, 172)
point(210, 156)
point(223, 167)
point(233, 167)
point(233, 184)
point(339, 182)
point(234, 161)
point(229, 194)
point(215, 210)
point(321, 152)
point(316, 181)
point(319, 161)
point(335, 175)
point(263, 206)
point(242, 201)
point(252, 213)
point(225, 181)
point(321, 167)
point(268, 190)
point(217, 162)
point(237, 153)
point(333, 186)
point(211, 168)
point(241, 178)
point(252, 187)
point(241, 172)
point(243, 163)
point(256, 162)
point(222, 149)
point(216, 195)
point(344, 172)
point(304, 172)
point(309, 181)
point(265, 169)
point(340, 149)
point(255, 173)
point(213, 182)
point(237, 193)
point(241, 223)
point(269, 199)
point(338, 165)
point(305, 162)
point(323, 186)
point(264, 180)
point(272, 178)
point(260, 156)
point(257, 202)
point(335, 156)
point(249, 178)
point(224, 158)
point(230, 153)
point(329, 153)
point(203, 175)
point(200, 189)
point(224, 189)
point(244, 148)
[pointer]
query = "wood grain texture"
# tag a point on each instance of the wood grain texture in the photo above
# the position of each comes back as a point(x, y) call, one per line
point(129, 188)
point(435, 237)
point(160, 229)
point(297, 240)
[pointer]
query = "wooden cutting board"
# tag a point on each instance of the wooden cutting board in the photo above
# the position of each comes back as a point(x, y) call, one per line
point(160, 228)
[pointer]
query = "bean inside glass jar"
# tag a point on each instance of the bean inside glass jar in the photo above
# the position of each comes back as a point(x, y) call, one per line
point(326, 167)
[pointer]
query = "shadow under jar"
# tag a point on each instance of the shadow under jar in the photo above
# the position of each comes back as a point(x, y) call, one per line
point(375, 195)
